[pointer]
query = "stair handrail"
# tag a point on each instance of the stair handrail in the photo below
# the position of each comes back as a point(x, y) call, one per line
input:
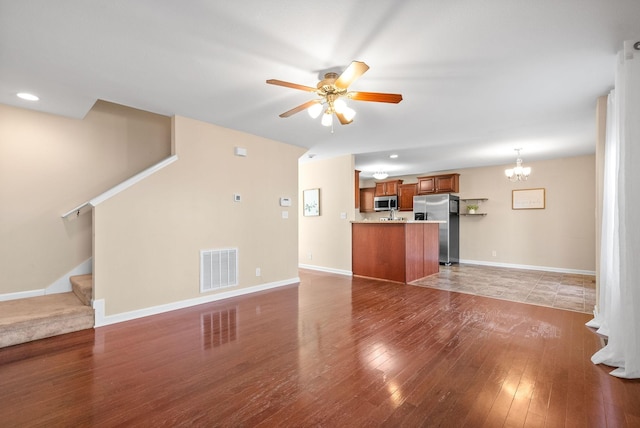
point(86, 206)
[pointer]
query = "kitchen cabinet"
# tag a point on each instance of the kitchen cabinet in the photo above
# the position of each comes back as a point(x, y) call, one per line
point(366, 199)
point(357, 187)
point(406, 192)
point(387, 188)
point(410, 251)
point(446, 183)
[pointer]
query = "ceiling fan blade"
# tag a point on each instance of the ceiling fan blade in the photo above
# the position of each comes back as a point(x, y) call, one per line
point(343, 120)
point(291, 85)
point(375, 96)
point(299, 108)
point(355, 70)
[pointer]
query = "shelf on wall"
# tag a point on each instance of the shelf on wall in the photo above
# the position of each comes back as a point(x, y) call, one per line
point(478, 200)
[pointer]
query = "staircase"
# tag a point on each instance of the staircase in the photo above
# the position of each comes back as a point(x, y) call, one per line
point(24, 320)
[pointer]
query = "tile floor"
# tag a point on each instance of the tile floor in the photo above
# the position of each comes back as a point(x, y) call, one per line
point(572, 292)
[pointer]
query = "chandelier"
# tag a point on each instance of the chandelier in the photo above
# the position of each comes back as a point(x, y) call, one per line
point(519, 173)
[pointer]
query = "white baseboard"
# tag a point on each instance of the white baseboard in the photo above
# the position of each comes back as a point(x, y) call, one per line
point(529, 267)
point(21, 295)
point(61, 285)
point(102, 320)
point(325, 269)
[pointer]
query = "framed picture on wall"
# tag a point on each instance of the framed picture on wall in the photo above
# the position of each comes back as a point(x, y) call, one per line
point(311, 202)
point(528, 199)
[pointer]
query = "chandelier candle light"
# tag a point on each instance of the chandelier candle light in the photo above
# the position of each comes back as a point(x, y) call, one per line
point(519, 173)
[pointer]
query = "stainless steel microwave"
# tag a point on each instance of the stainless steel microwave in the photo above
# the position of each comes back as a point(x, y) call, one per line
point(385, 203)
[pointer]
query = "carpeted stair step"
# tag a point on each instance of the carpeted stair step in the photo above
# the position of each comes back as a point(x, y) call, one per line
point(24, 320)
point(82, 286)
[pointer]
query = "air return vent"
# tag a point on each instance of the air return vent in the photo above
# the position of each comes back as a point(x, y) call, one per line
point(218, 269)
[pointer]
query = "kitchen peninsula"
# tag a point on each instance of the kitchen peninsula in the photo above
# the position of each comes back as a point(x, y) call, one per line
point(401, 251)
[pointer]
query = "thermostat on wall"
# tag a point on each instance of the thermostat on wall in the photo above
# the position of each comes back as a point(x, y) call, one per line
point(285, 202)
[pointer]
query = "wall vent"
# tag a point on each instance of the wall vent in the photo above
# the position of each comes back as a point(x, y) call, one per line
point(218, 269)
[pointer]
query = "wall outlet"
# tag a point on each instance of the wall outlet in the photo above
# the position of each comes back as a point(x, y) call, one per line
point(494, 253)
point(258, 272)
point(309, 255)
point(285, 214)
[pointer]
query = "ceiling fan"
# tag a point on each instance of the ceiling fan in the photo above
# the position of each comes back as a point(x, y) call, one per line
point(332, 89)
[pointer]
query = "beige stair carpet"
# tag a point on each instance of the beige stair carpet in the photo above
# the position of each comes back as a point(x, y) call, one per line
point(82, 286)
point(24, 320)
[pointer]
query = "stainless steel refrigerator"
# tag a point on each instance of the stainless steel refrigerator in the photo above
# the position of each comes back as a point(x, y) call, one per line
point(442, 207)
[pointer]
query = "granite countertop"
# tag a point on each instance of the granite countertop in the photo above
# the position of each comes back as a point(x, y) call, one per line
point(395, 221)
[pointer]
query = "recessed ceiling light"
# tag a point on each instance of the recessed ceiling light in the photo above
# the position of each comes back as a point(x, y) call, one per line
point(393, 156)
point(27, 96)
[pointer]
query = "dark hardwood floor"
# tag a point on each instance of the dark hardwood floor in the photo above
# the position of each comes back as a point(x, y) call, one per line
point(334, 351)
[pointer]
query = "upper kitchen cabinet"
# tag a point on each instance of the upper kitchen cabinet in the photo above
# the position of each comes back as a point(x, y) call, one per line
point(366, 200)
point(356, 179)
point(446, 183)
point(388, 188)
point(406, 192)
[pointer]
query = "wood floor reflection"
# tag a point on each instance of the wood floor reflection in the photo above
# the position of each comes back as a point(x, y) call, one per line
point(334, 351)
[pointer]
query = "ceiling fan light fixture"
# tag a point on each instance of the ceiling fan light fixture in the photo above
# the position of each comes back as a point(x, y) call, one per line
point(327, 118)
point(315, 110)
point(339, 106)
point(331, 90)
point(349, 114)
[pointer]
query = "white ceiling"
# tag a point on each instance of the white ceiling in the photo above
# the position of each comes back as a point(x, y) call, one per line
point(479, 78)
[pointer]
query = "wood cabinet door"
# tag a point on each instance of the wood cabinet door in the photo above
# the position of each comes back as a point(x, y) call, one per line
point(356, 178)
point(406, 192)
point(447, 183)
point(380, 189)
point(366, 200)
point(391, 188)
point(387, 188)
point(426, 185)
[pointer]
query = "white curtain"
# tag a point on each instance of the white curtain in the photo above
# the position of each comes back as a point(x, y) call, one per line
point(618, 314)
point(609, 240)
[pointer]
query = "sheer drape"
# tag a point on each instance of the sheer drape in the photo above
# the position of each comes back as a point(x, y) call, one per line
point(619, 310)
point(609, 241)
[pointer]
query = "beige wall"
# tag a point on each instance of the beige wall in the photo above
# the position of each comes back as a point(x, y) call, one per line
point(148, 238)
point(325, 241)
point(562, 236)
point(50, 164)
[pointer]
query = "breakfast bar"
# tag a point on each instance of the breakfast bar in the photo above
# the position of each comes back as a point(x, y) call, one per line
point(401, 251)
